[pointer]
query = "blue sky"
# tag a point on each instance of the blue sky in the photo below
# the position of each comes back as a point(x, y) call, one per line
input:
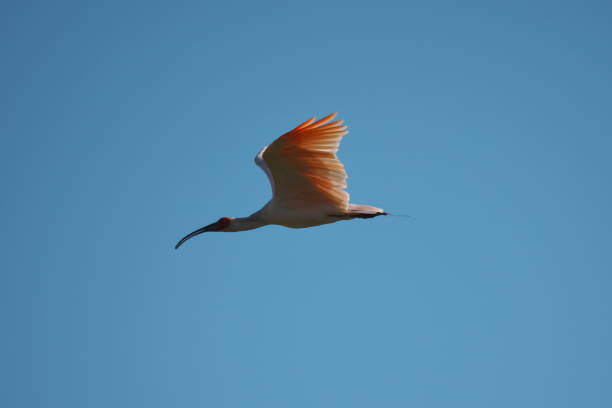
point(126, 125)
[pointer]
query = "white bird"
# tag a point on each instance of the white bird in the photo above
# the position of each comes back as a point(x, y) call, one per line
point(307, 181)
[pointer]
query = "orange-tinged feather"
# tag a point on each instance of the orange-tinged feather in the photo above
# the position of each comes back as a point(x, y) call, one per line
point(303, 125)
point(323, 120)
point(304, 169)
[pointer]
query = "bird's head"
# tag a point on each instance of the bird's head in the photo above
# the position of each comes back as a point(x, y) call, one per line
point(221, 225)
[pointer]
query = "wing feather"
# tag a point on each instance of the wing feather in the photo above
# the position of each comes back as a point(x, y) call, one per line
point(303, 168)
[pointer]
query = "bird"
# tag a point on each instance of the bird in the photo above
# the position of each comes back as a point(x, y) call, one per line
point(307, 180)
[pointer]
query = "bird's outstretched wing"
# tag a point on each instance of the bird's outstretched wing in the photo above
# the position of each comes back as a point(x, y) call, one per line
point(303, 168)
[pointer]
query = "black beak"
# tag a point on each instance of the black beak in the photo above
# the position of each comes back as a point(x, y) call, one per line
point(211, 227)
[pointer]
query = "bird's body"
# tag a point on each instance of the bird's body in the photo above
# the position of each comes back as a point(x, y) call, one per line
point(307, 182)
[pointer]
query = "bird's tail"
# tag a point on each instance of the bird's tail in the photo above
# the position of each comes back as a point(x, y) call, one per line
point(364, 211)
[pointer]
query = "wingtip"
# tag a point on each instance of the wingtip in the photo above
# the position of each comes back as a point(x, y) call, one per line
point(324, 120)
point(306, 123)
point(313, 122)
point(329, 117)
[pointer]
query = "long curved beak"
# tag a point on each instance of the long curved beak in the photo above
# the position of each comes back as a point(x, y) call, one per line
point(211, 227)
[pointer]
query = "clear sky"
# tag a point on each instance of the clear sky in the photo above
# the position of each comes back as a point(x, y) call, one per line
point(127, 124)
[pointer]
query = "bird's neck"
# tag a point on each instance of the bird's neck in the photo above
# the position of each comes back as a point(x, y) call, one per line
point(247, 223)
